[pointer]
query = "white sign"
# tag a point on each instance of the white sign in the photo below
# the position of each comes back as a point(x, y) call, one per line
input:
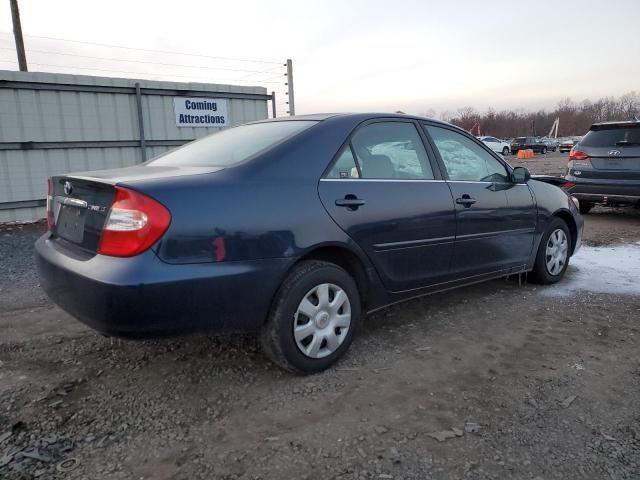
point(200, 112)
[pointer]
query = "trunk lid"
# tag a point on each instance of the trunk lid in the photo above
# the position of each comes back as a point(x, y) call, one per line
point(80, 207)
point(80, 202)
point(614, 158)
point(613, 149)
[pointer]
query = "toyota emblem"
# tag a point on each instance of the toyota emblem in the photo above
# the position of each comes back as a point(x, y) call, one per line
point(68, 188)
point(614, 153)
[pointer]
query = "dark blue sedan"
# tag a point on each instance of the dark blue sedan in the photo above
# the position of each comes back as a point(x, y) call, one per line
point(296, 228)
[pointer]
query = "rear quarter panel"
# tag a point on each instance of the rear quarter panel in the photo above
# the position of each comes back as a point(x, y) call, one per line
point(266, 208)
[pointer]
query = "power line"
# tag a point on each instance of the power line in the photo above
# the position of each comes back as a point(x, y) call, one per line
point(271, 70)
point(145, 61)
point(95, 69)
point(148, 50)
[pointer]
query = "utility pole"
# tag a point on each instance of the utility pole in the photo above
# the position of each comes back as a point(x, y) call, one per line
point(273, 104)
point(553, 133)
point(17, 33)
point(289, 74)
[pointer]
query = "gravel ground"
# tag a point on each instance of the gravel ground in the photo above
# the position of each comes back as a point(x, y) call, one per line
point(549, 164)
point(18, 279)
point(498, 380)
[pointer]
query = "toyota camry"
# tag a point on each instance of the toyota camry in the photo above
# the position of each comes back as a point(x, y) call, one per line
point(296, 228)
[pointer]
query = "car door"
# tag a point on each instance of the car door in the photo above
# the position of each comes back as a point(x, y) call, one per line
point(495, 218)
point(384, 191)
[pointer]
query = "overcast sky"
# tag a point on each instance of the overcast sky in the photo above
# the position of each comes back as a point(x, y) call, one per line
point(417, 56)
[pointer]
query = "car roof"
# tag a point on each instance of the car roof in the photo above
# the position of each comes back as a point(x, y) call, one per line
point(358, 117)
point(619, 123)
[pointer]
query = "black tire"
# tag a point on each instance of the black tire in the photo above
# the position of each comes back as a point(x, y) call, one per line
point(505, 151)
point(585, 207)
point(544, 150)
point(540, 274)
point(276, 336)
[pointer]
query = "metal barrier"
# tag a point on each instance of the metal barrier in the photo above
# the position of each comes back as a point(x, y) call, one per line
point(56, 123)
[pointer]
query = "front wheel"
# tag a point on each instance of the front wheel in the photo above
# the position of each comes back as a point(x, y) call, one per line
point(313, 318)
point(544, 150)
point(552, 258)
point(505, 151)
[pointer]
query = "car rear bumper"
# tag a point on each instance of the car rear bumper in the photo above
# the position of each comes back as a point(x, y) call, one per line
point(605, 192)
point(143, 297)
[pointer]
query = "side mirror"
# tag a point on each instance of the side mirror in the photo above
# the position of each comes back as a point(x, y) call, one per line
point(520, 175)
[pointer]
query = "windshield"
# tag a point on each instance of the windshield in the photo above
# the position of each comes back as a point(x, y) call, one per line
point(617, 136)
point(520, 140)
point(232, 146)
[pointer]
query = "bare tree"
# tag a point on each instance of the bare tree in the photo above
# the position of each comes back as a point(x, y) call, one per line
point(575, 118)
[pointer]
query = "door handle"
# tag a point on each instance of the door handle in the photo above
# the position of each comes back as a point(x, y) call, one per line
point(465, 200)
point(350, 201)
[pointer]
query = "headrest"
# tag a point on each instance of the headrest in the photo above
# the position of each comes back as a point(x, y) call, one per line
point(378, 166)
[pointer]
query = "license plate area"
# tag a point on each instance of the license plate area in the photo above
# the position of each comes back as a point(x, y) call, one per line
point(614, 164)
point(70, 223)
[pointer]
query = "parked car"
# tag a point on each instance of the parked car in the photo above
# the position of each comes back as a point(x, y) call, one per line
point(552, 145)
point(604, 167)
point(566, 145)
point(296, 228)
point(497, 145)
point(528, 143)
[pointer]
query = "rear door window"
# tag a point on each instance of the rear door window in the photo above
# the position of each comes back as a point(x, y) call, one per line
point(464, 160)
point(345, 166)
point(391, 150)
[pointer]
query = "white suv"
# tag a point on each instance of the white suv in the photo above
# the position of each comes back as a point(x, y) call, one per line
point(497, 145)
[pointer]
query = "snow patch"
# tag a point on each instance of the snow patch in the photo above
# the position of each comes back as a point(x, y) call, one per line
point(601, 270)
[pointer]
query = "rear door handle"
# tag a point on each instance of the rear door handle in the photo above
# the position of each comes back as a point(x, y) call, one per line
point(465, 200)
point(350, 201)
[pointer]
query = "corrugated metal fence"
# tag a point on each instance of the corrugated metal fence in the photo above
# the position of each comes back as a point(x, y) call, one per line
point(56, 123)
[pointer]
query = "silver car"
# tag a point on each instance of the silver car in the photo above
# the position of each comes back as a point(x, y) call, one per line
point(604, 167)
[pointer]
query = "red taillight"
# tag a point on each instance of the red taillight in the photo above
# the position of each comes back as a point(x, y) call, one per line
point(135, 222)
point(577, 155)
point(568, 185)
point(49, 205)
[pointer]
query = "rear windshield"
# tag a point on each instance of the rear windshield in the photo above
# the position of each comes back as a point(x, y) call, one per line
point(520, 140)
point(232, 146)
point(612, 137)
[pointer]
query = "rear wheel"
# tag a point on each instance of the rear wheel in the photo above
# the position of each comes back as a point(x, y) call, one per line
point(544, 150)
point(505, 151)
point(552, 258)
point(313, 318)
point(585, 207)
